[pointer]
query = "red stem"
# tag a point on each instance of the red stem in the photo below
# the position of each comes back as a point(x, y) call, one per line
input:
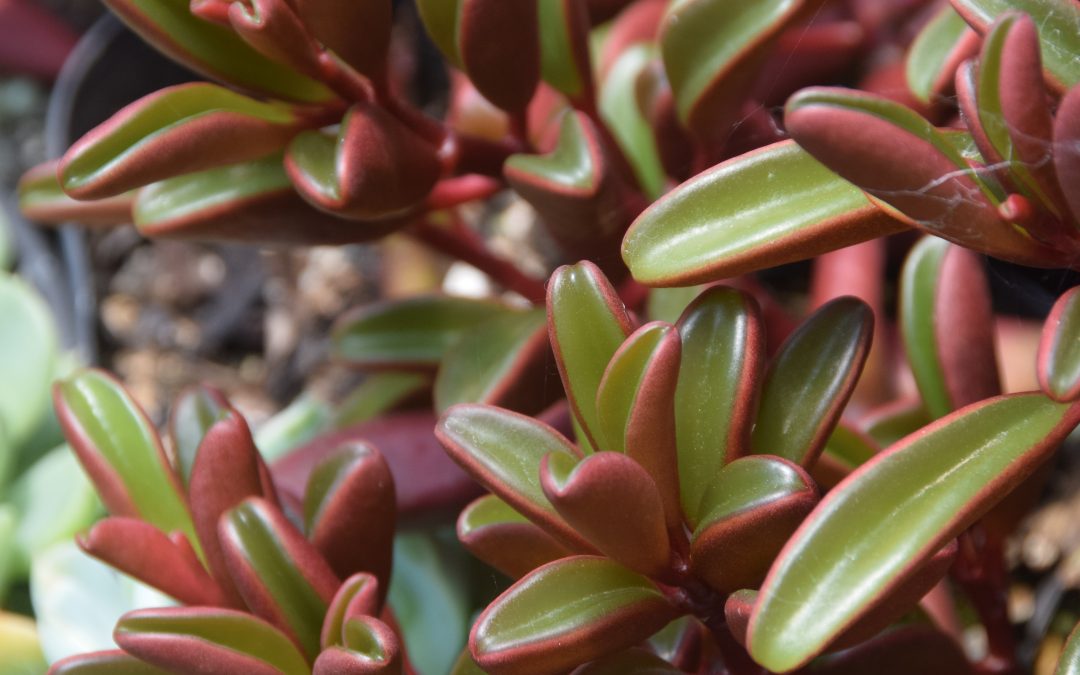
point(471, 249)
point(980, 571)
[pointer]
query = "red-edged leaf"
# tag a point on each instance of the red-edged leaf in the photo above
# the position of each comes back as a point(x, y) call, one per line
point(274, 30)
point(1059, 349)
point(358, 596)
point(114, 662)
point(193, 413)
point(1067, 149)
point(369, 647)
point(335, 23)
point(505, 539)
point(630, 662)
point(499, 43)
point(41, 199)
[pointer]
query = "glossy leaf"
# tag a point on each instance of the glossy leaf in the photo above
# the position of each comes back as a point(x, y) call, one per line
point(212, 50)
point(749, 511)
point(28, 351)
point(371, 648)
point(212, 641)
point(505, 539)
point(622, 112)
point(587, 322)
point(1059, 349)
point(358, 596)
point(495, 362)
point(928, 488)
point(177, 130)
point(711, 49)
point(946, 320)
point(1057, 21)
point(723, 349)
point(769, 206)
point(809, 381)
point(564, 50)
point(502, 451)
point(41, 199)
point(499, 45)
point(566, 613)
point(936, 52)
point(121, 451)
point(280, 575)
point(1069, 661)
point(416, 332)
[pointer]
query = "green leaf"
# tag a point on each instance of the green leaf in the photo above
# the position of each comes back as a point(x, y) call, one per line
point(378, 393)
point(668, 304)
point(723, 350)
point(212, 50)
point(927, 489)
point(7, 243)
point(933, 51)
point(193, 413)
point(1059, 349)
point(1069, 661)
point(416, 332)
point(28, 348)
point(483, 365)
point(773, 205)
point(500, 536)
point(918, 286)
point(587, 322)
point(121, 452)
point(809, 381)
point(892, 421)
point(1058, 35)
point(564, 54)
point(111, 662)
point(644, 359)
point(299, 422)
point(621, 111)
point(566, 613)
point(42, 200)
point(440, 18)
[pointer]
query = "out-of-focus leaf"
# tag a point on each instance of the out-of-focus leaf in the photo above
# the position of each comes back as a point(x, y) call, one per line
point(1059, 349)
point(106, 662)
point(810, 380)
point(622, 112)
point(1069, 661)
point(416, 332)
point(502, 450)
point(1066, 155)
point(20, 647)
point(630, 662)
point(907, 649)
point(378, 393)
point(493, 361)
point(499, 46)
point(177, 130)
point(194, 411)
point(723, 350)
point(773, 205)
point(440, 18)
point(505, 539)
point(587, 323)
point(668, 304)
point(8, 522)
point(566, 613)
point(214, 51)
point(429, 600)
point(42, 200)
point(121, 451)
point(1058, 37)
point(334, 23)
point(927, 488)
point(28, 346)
point(183, 638)
point(299, 422)
point(890, 422)
point(54, 500)
point(7, 243)
point(713, 49)
point(564, 51)
point(77, 601)
point(936, 52)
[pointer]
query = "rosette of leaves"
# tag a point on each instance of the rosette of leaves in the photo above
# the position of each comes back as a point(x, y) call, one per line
point(264, 587)
point(1004, 184)
point(691, 493)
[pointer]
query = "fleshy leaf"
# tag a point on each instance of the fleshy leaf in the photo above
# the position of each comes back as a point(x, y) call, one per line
point(114, 662)
point(502, 451)
point(416, 332)
point(505, 539)
point(42, 200)
point(378, 393)
point(177, 130)
point(947, 323)
point(564, 49)
point(928, 488)
point(499, 44)
point(1067, 149)
point(907, 649)
point(334, 23)
point(358, 596)
point(770, 206)
point(566, 613)
point(211, 641)
point(723, 350)
point(1069, 661)
point(630, 662)
point(749, 511)
point(440, 18)
point(622, 112)
point(121, 451)
point(371, 648)
point(194, 412)
point(846, 450)
point(936, 52)
point(587, 323)
point(28, 351)
point(810, 380)
point(892, 421)
point(1059, 349)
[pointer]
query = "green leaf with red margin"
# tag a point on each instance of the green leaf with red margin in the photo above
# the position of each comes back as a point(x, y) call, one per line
point(927, 488)
point(114, 662)
point(567, 613)
point(770, 206)
point(212, 50)
point(334, 23)
point(497, 361)
point(1059, 349)
point(1069, 661)
point(723, 352)
point(587, 323)
point(499, 45)
point(810, 379)
point(1067, 150)
point(212, 641)
point(374, 167)
point(194, 412)
point(173, 131)
point(358, 596)
point(413, 333)
point(947, 324)
point(251, 201)
point(505, 539)
point(42, 200)
point(633, 661)
point(502, 451)
point(615, 504)
point(936, 52)
point(281, 576)
point(621, 110)
point(1058, 37)
point(713, 48)
point(564, 47)
point(121, 451)
point(635, 406)
point(751, 507)
point(370, 647)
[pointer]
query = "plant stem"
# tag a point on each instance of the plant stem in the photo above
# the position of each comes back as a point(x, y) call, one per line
point(980, 571)
point(736, 660)
point(471, 249)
